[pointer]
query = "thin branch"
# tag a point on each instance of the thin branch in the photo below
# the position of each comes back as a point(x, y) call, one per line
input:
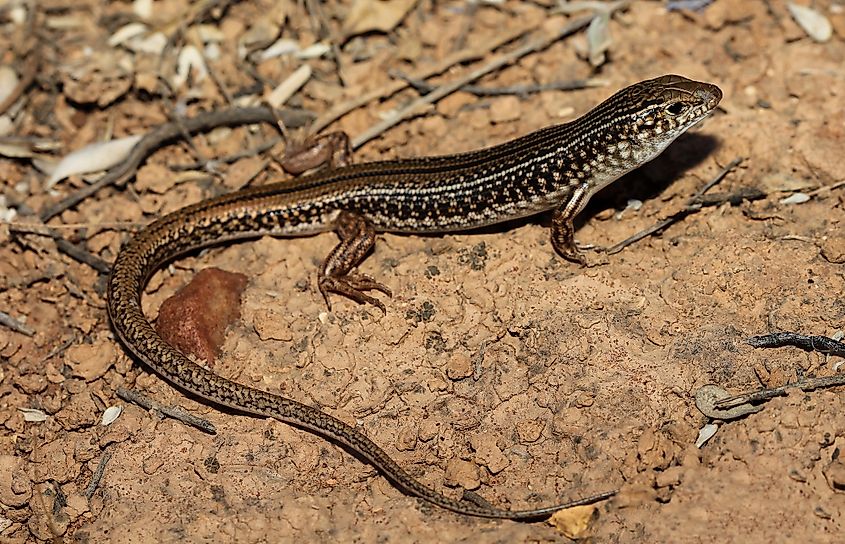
point(425, 87)
point(15, 325)
point(98, 475)
point(395, 86)
point(821, 344)
point(82, 255)
point(174, 412)
point(168, 132)
point(694, 204)
point(419, 105)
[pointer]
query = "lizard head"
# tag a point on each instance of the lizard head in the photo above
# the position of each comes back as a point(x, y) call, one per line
point(661, 109)
point(637, 123)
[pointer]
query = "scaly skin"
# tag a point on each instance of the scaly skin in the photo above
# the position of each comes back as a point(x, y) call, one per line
point(559, 167)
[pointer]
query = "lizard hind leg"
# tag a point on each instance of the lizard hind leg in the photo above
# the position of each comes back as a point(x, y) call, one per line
point(357, 238)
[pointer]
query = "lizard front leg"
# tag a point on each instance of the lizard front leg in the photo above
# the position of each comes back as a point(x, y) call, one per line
point(357, 238)
point(563, 232)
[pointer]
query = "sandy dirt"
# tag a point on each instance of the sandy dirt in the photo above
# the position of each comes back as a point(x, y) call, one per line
point(499, 367)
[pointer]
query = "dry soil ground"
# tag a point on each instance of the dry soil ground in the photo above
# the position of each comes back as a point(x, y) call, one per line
point(498, 366)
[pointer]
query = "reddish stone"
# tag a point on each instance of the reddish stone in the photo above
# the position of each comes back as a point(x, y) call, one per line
point(195, 319)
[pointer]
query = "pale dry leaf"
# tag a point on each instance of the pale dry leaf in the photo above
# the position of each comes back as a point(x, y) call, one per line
point(18, 14)
point(8, 82)
point(93, 158)
point(283, 46)
point(190, 60)
point(796, 198)
point(372, 15)
point(153, 44)
point(110, 415)
point(32, 415)
point(143, 9)
point(598, 38)
point(136, 37)
point(705, 434)
point(814, 23)
point(289, 86)
point(125, 33)
point(314, 51)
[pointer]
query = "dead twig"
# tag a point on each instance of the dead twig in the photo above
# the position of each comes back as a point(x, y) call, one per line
point(15, 325)
point(821, 344)
point(74, 251)
point(17, 227)
point(31, 64)
point(806, 385)
point(168, 132)
point(228, 159)
point(827, 188)
point(418, 106)
point(174, 412)
point(694, 204)
point(98, 475)
point(395, 86)
point(425, 87)
point(82, 255)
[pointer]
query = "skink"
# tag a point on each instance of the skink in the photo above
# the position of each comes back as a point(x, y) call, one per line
point(556, 168)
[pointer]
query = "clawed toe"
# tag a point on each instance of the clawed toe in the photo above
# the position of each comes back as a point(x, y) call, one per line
point(353, 286)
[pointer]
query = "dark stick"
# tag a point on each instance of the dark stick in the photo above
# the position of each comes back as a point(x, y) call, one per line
point(98, 475)
point(168, 132)
point(694, 204)
point(175, 412)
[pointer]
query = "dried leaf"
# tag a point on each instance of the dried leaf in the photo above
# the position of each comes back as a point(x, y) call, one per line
point(816, 25)
point(143, 9)
point(283, 46)
point(93, 158)
point(314, 51)
point(705, 434)
point(796, 198)
point(289, 86)
point(190, 59)
point(32, 415)
point(8, 82)
point(126, 33)
point(380, 15)
point(598, 38)
point(111, 414)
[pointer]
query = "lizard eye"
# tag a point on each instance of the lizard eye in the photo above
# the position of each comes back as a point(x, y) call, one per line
point(676, 108)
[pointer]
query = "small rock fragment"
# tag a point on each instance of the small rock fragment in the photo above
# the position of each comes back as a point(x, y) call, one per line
point(407, 439)
point(530, 430)
point(15, 486)
point(574, 523)
point(459, 367)
point(195, 319)
point(833, 249)
point(460, 473)
point(90, 361)
point(488, 453)
point(835, 474)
